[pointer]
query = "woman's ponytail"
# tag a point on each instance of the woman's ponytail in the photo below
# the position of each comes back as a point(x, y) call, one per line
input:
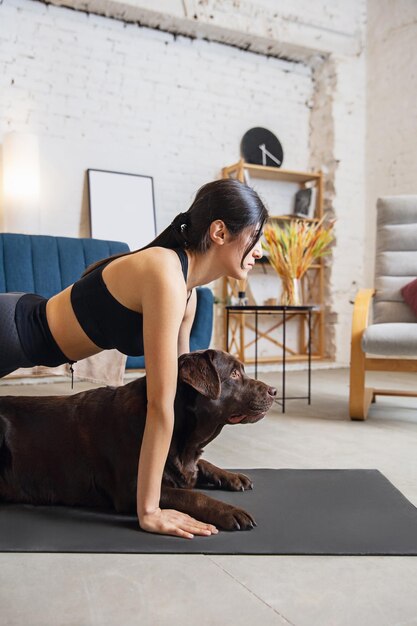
point(229, 200)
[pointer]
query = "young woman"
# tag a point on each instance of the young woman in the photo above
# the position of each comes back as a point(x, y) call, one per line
point(143, 302)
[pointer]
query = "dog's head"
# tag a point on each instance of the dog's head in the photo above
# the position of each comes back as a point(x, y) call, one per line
point(224, 389)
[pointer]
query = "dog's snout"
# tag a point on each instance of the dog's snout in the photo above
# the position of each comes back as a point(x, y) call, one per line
point(272, 391)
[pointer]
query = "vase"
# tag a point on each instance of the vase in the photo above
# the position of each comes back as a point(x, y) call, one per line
point(291, 292)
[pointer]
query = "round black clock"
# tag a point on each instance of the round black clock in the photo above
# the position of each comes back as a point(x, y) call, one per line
point(261, 147)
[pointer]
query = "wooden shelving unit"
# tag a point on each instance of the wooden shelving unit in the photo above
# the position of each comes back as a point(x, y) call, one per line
point(312, 283)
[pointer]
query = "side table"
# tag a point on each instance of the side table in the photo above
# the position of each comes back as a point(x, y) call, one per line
point(283, 310)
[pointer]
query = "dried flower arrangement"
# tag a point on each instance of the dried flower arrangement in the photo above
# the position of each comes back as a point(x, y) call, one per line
point(292, 249)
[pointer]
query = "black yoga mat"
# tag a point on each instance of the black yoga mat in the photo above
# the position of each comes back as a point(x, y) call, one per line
point(351, 512)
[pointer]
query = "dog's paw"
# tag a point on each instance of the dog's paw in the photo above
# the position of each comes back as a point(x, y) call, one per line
point(222, 479)
point(241, 482)
point(237, 482)
point(236, 519)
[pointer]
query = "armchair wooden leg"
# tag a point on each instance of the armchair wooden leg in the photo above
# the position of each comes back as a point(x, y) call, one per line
point(359, 405)
point(360, 397)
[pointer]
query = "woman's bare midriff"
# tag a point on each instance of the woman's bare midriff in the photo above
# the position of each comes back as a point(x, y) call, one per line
point(65, 328)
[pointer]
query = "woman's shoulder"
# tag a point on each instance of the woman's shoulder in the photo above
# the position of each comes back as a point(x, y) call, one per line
point(154, 254)
point(157, 261)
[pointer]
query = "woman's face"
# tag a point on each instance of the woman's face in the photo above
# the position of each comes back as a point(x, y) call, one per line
point(234, 251)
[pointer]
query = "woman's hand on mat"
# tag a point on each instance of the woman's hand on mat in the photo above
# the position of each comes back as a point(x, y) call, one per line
point(171, 522)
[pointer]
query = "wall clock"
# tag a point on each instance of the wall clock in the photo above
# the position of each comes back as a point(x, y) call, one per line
point(261, 147)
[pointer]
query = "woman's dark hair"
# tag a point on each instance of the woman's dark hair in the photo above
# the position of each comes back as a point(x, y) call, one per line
point(229, 200)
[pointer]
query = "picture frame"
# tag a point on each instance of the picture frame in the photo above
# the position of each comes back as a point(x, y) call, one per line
point(305, 202)
point(122, 207)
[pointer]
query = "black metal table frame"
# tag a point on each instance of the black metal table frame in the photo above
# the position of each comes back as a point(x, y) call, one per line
point(270, 310)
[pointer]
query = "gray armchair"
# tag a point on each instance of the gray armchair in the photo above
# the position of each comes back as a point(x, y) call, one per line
point(391, 338)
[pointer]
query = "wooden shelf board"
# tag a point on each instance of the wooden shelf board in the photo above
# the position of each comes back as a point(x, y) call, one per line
point(275, 173)
point(264, 260)
point(285, 218)
point(273, 359)
point(289, 314)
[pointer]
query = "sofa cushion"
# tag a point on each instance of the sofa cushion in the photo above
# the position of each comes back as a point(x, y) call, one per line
point(396, 257)
point(409, 293)
point(45, 265)
point(200, 332)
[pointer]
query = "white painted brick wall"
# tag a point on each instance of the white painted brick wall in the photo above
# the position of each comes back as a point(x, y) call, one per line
point(349, 201)
point(392, 108)
point(276, 27)
point(103, 94)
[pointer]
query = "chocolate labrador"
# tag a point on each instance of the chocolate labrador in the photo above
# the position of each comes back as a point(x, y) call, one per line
point(83, 450)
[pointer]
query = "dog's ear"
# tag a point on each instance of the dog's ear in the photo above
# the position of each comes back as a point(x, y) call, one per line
point(198, 370)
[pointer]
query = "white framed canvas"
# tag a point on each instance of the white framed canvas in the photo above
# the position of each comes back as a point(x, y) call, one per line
point(122, 207)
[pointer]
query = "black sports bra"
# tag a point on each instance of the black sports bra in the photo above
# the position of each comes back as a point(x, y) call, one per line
point(106, 321)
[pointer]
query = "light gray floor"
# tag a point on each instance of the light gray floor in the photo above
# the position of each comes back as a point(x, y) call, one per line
point(159, 590)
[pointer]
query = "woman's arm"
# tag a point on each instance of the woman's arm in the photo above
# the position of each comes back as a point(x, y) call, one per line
point(163, 305)
point(187, 324)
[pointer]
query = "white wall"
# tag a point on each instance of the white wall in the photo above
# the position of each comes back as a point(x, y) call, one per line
point(106, 94)
point(391, 108)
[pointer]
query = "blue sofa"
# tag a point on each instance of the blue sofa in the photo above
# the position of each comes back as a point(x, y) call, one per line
point(45, 265)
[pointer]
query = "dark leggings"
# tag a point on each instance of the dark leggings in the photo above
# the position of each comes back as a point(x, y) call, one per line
point(11, 354)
